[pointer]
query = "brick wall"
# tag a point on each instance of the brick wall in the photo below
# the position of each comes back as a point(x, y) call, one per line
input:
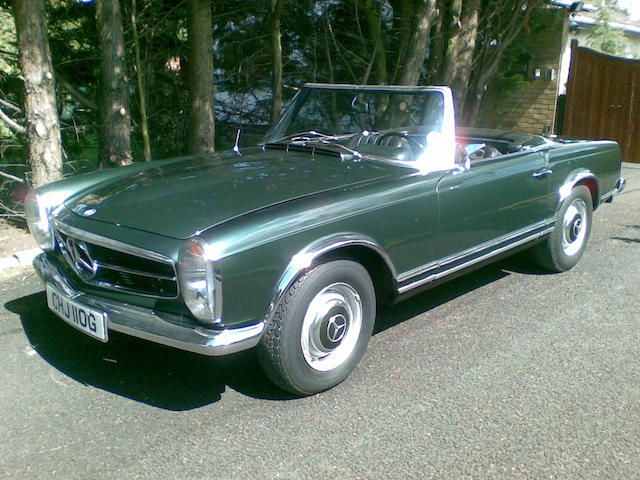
point(532, 108)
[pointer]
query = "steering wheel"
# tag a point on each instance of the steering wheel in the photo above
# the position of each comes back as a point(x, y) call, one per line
point(490, 152)
point(416, 147)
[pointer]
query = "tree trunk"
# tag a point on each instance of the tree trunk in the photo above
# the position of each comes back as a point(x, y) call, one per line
point(418, 44)
point(276, 60)
point(43, 129)
point(144, 123)
point(453, 43)
point(464, 63)
point(375, 34)
point(437, 44)
point(490, 60)
point(115, 131)
point(403, 11)
point(202, 121)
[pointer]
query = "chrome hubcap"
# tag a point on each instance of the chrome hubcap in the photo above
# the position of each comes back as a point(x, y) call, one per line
point(331, 326)
point(574, 227)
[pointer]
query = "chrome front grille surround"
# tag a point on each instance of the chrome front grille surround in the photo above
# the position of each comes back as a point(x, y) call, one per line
point(113, 265)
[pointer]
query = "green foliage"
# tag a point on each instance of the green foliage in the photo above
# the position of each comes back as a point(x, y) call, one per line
point(604, 37)
point(513, 70)
point(322, 40)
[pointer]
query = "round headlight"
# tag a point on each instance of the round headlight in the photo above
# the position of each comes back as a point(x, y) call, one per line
point(196, 278)
point(37, 210)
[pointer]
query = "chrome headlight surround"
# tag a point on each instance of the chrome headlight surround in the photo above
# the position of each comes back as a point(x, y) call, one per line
point(198, 281)
point(38, 208)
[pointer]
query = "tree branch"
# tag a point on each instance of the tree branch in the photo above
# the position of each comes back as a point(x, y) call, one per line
point(12, 124)
point(8, 54)
point(10, 105)
point(75, 93)
point(11, 177)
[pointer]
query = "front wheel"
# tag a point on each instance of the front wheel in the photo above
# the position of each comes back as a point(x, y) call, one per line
point(564, 246)
point(320, 329)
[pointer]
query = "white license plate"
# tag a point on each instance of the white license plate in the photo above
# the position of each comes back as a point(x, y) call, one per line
point(90, 321)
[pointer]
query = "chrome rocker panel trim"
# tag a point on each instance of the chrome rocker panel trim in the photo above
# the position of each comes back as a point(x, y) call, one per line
point(457, 262)
point(175, 331)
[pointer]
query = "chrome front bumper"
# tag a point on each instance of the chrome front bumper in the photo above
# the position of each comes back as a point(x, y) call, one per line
point(165, 328)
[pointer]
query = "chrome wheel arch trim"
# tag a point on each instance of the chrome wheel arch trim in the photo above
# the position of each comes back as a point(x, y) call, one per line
point(304, 259)
point(574, 179)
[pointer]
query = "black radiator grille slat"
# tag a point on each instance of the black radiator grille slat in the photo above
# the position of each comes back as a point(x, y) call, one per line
point(116, 270)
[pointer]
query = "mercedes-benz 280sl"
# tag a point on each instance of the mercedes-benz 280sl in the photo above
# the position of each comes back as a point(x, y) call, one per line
point(358, 195)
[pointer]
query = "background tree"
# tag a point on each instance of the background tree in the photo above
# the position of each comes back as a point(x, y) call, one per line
point(604, 37)
point(410, 72)
point(41, 114)
point(501, 22)
point(139, 69)
point(115, 130)
point(276, 55)
point(263, 52)
point(202, 124)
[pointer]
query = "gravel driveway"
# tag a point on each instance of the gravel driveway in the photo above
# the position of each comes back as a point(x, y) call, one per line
point(502, 373)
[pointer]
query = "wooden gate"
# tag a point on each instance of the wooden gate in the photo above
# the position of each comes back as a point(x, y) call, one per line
point(603, 100)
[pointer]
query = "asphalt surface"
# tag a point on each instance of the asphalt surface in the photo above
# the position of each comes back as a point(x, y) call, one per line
point(502, 373)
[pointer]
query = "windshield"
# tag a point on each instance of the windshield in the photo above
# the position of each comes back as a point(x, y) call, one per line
point(397, 124)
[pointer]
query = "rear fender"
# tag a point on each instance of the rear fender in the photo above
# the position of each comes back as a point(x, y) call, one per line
point(580, 177)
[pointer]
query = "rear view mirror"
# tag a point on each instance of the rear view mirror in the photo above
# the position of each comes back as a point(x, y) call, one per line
point(360, 106)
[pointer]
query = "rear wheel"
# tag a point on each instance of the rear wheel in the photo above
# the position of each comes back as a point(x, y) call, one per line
point(565, 245)
point(320, 329)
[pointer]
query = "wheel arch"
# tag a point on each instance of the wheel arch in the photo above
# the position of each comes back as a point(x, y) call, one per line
point(348, 246)
point(581, 177)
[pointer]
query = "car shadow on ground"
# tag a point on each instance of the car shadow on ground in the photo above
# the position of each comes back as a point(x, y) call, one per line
point(176, 380)
point(143, 371)
point(391, 315)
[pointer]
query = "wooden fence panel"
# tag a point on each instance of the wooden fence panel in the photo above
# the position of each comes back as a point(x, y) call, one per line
point(603, 100)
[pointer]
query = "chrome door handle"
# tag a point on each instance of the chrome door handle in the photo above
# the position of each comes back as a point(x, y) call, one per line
point(542, 173)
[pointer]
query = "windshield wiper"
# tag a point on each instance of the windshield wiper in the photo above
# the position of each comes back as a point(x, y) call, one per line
point(309, 135)
point(319, 137)
point(301, 138)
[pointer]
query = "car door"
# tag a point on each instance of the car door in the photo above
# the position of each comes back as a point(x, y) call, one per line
point(493, 205)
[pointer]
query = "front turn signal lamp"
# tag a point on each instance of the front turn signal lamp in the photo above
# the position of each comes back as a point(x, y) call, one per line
point(197, 281)
point(38, 207)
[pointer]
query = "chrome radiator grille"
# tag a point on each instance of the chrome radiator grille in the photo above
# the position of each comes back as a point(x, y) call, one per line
point(106, 266)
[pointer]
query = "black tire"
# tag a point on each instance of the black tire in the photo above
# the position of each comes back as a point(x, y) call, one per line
point(334, 304)
point(562, 249)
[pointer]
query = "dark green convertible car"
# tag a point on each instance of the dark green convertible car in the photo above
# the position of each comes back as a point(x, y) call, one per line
point(359, 195)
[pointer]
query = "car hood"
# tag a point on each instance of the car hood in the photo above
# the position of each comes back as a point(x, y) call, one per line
point(185, 197)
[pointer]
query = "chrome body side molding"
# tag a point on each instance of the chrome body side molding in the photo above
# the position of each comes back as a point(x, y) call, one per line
point(454, 263)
